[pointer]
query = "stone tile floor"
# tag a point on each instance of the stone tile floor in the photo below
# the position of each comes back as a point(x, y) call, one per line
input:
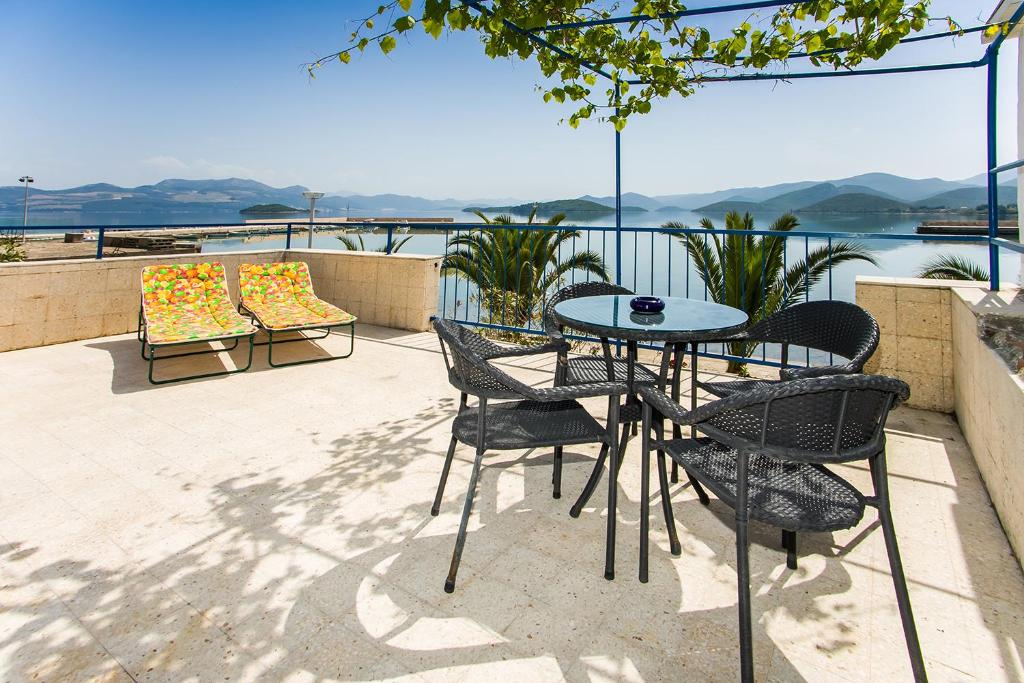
point(274, 525)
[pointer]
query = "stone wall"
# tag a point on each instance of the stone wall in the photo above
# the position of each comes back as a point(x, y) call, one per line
point(400, 290)
point(989, 403)
point(58, 301)
point(916, 343)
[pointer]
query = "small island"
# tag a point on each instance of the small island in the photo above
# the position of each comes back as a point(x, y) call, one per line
point(572, 207)
point(271, 210)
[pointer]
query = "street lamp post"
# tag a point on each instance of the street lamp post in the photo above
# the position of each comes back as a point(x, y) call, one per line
point(27, 179)
point(312, 197)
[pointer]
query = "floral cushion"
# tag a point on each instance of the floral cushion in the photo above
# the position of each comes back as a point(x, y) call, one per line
point(281, 296)
point(188, 301)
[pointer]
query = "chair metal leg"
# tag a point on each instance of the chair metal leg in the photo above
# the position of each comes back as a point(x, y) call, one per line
point(460, 539)
point(677, 432)
point(666, 506)
point(622, 447)
point(613, 468)
point(701, 494)
point(645, 490)
point(592, 482)
point(743, 573)
point(789, 543)
point(899, 580)
point(436, 508)
point(556, 474)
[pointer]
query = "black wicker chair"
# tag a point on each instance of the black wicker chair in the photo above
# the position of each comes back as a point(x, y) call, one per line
point(835, 327)
point(587, 369)
point(766, 455)
point(532, 418)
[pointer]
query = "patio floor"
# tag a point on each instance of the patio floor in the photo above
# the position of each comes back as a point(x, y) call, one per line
point(275, 525)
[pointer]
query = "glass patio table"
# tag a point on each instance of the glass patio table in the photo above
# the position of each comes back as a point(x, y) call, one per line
point(683, 321)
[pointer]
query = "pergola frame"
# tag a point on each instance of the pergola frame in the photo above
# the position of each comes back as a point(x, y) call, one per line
point(989, 60)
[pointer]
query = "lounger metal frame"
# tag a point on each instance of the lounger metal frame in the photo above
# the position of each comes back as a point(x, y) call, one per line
point(152, 357)
point(243, 309)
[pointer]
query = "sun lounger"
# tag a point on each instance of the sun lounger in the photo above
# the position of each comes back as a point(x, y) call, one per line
point(279, 297)
point(187, 303)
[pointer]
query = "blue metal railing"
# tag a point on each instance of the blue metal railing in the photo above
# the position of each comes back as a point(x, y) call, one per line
point(652, 261)
point(287, 230)
point(645, 259)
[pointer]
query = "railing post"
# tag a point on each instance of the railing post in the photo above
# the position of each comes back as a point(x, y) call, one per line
point(288, 236)
point(99, 243)
point(618, 196)
point(387, 246)
point(993, 180)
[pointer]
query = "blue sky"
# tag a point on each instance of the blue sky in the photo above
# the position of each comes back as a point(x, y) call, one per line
point(134, 92)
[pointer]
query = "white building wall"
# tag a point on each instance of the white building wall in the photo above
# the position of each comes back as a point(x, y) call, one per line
point(1020, 151)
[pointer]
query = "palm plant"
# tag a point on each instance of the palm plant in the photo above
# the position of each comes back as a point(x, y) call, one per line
point(11, 250)
point(951, 267)
point(357, 244)
point(513, 268)
point(749, 272)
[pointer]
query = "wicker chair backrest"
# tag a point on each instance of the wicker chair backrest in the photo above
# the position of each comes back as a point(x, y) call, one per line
point(468, 371)
point(826, 419)
point(551, 327)
point(838, 327)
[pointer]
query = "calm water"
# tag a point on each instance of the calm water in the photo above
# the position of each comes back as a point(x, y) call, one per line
point(651, 263)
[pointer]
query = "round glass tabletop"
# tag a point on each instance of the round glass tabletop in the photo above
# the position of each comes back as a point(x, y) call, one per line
point(682, 320)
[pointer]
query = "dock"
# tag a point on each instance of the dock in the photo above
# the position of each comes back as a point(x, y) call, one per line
point(1006, 228)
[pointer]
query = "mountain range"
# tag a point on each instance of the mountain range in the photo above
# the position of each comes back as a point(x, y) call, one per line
point(868, 192)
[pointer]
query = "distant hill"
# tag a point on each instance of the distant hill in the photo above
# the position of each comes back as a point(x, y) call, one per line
point(969, 197)
point(898, 187)
point(172, 196)
point(567, 206)
point(634, 199)
point(728, 205)
point(791, 201)
point(271, 209)
point(386, 203)
point(856, 202)
point(180, 197)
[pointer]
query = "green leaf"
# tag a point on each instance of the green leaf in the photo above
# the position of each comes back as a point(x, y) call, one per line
point(403, 24)
point(405, 4)
point(432, 27)
point(344, 57)
point(387, 44)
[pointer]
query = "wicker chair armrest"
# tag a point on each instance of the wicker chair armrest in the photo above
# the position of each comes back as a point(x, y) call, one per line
point(739, 336)
point(787, 374)
point(575, 391)
point(516, 351)
point(679, 415)
point(664, 405)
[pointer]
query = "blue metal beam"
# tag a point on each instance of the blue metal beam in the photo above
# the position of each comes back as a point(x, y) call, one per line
point(633, 18)
point(547, 45)
point(1010, 26)
point(992, 113)
point(838, 50)
point(1007, 167)
point(836, 74)
point(993, 186)
point(618, 195)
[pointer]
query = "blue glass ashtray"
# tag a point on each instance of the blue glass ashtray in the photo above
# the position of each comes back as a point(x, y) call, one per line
point(647, 304)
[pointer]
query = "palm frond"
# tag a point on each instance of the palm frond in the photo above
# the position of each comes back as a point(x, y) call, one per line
point(395, 245)
point(804, 274)
point(350, 244)
point(952, 267)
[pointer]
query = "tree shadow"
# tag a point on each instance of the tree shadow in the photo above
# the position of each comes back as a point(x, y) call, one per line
point(130, 371)
point(339, 573)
